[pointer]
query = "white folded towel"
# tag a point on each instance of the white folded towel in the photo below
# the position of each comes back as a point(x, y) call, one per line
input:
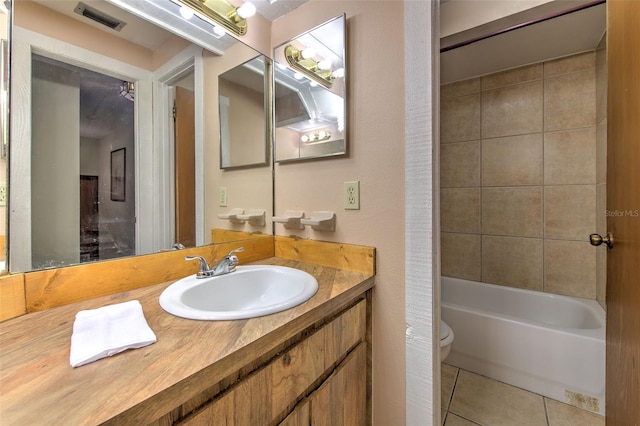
point(106, 331)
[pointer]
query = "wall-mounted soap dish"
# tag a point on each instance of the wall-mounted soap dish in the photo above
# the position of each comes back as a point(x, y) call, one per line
point(232, 215)
point(255, 217)
point(290, 219)
point(321, 221)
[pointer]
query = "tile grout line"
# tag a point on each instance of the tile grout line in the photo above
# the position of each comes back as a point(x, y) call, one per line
point(453, 389)
point(455, 384)
point(546, 411)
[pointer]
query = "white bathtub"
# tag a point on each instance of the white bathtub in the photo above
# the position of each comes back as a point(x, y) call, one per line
point(548, 344)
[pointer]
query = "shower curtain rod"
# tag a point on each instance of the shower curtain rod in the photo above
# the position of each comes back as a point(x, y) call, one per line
point(522, 25)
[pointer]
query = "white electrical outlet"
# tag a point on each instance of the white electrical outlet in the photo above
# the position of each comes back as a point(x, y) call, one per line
point(352, 195)
point(223, 197)
point(3, 194)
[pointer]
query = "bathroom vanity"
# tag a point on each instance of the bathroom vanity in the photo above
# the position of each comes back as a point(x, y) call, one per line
point(309, 362)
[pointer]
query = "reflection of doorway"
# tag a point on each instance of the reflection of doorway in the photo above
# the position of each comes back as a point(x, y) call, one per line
point(185, 182)
point(78, 118)
point(89, 233)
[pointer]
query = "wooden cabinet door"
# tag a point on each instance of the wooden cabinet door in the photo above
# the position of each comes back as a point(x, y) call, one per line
point(342, 398)
point(300, 416)
point(266, 394)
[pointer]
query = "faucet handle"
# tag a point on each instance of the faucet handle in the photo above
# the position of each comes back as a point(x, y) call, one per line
point(204, 267)
point(238, 250)
point(231, 260)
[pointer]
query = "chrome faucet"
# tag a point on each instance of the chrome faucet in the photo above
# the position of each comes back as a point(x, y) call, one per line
point(225, 266)
point(228, 263)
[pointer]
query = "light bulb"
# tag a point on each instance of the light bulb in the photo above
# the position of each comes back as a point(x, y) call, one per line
point(313, 83)
point(308, 53)
point(339, 73)
point(247, 10)
point(325, 64)
point(186, 12)
point(298, 76)
point(304, 138)
point(322, 134)
point(218, 30)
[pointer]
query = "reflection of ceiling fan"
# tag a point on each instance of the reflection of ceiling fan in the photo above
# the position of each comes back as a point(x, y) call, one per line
point(127, 90)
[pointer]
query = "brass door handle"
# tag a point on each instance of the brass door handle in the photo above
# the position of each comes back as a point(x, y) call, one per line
point(597, 239)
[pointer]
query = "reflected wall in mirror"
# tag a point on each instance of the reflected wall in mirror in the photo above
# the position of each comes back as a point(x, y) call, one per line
point(310, 94)
point(243, 112)
point(80, 93)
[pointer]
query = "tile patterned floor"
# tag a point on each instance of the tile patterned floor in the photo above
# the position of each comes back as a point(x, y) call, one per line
point(469, 399)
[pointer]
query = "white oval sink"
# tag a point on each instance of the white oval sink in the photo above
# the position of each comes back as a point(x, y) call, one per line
point(250, 291)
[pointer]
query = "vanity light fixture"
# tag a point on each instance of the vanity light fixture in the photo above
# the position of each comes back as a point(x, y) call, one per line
point(319, 136)
point(304, 62)
point(223, 13)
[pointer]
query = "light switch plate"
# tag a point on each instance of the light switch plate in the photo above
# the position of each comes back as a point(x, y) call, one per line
point(223, 196)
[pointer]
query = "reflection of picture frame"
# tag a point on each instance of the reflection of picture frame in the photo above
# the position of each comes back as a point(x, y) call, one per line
point(118, 175)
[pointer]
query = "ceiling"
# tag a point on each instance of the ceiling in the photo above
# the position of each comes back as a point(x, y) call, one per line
point(101, 106)
point(273, 11)
point(572, 33)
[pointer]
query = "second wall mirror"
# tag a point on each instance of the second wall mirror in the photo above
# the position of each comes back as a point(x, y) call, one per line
point(243, 109)
point(310, 94)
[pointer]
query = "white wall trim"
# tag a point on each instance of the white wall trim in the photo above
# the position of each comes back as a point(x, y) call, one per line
point(422, 273)
point(188, 60)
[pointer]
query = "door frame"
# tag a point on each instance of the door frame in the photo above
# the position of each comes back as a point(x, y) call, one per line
point(189, 60)
point(24, 44)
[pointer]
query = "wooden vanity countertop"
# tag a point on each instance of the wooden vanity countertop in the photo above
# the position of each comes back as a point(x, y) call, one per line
point(38, 386)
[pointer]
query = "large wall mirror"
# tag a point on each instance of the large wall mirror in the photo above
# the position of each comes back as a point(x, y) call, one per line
point(5, 22)
point(310, 94)
point(115, 133)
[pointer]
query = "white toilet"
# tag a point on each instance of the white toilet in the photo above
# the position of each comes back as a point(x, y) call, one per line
point(446, 339)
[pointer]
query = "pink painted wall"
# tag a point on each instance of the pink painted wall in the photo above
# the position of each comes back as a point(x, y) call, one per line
point(376, 140)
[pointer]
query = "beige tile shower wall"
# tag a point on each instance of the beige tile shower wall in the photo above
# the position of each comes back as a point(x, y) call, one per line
point(521, 186)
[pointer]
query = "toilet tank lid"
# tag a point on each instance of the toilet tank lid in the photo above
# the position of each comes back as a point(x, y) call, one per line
point(444, 330)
